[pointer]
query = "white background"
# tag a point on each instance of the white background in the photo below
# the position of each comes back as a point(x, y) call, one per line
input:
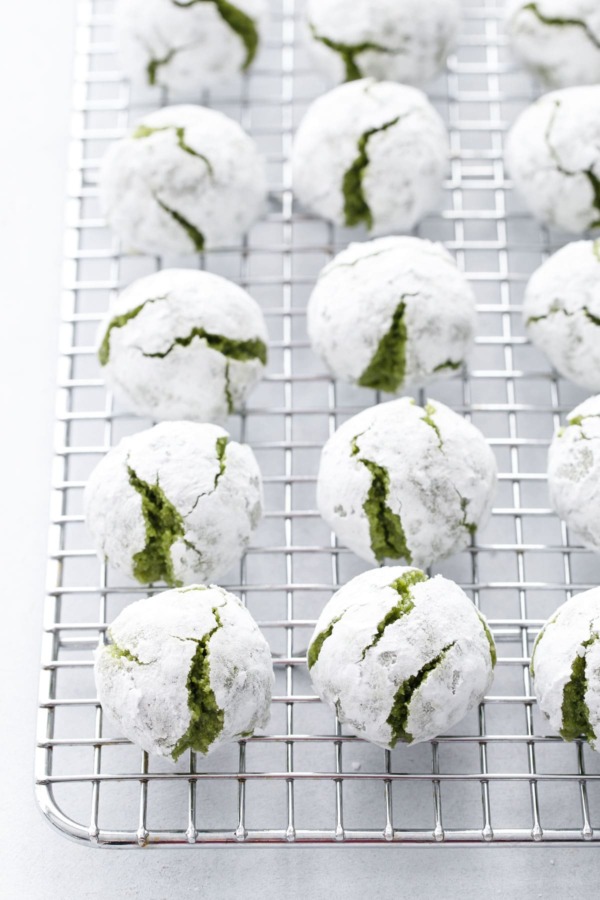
point(35, 73)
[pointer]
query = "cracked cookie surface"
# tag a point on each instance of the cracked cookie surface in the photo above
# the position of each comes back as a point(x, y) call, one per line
point(183, 344)
point(561, 310)
point(176, 503)
point(393, 486)
point(574, 473)
point(553, 155)
point(185, 669)
point(392, 313)
point(566, 668)
point(186, 46)
point(184, 179)
point(371, 153)
point(559, 40)
point(399, 656)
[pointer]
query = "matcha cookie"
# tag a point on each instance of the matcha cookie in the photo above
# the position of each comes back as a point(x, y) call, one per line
point(562, 312)
point(176, 503)
point(553, 154)
point(183, 344)
point(559, 40)
point(400, 656)
point(184, 179)
point(393, 40)
point(188, 45)
point(401, 482)
point(370, 153)
point(566, 668)
point(392, 313)
point(185, 670)
point(574, 473)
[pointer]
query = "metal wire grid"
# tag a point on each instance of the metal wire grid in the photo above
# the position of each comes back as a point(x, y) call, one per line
point(497, 777)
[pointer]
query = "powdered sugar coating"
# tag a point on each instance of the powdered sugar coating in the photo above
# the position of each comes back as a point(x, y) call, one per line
point(158, 377)
point(184, 47)
point(161, 197)
point(553, 154)
point(562, 312)
point(442, 478)
point(408, 40)
point(574, 473)
point(220, 501)
point(558, 39)
point(357, 294)
point(560, 643)
point(406, 160)
point(361, 684)
point(144, 690)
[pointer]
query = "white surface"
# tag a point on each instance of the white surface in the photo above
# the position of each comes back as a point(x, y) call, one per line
point(37, 864)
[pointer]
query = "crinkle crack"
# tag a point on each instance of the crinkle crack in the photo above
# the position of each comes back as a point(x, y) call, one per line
point(206, 716)
point(398, 717)
point(387, 369)
point(164, 526)
point(356, 208)
point(575, 711)
point(349, 52)
point(120, 322)
point(193, 233)
point(239, 22)
point(558, 22)
point(402, 608)
point(144, 131)
point(388, 539)
point(589, 173)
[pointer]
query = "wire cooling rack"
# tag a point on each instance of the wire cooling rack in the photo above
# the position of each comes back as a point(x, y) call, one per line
point(497, 777)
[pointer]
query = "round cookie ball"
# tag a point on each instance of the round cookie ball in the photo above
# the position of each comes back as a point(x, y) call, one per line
point(400, 656)
point(401, 482)
point(185, 670)
point(574, 473)
point(565, 665)
point(183, 344)
point(561, 310)
point(553, 154)
point(371, 153)
point(393, 40)
point(559, 40)
point(187, 46)
point(184, 179)
point(176, 503)
point(392, 313)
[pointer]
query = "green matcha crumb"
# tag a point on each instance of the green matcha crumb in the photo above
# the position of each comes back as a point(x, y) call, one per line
point(398, 717)
point(195, 236)
point(123, 653)
point(207, 717)
point(385, 527)
point(387, 368)
point(164, 526)
point(238, 21)
point(490, 639)
point(404, 605)
point(575, 712)
point(356, 208)
point(144, 131)
point(348, 52)
point(243, 351)
point(560, 22)
point(120, 322)
point(430, 411)
point(317, 643)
